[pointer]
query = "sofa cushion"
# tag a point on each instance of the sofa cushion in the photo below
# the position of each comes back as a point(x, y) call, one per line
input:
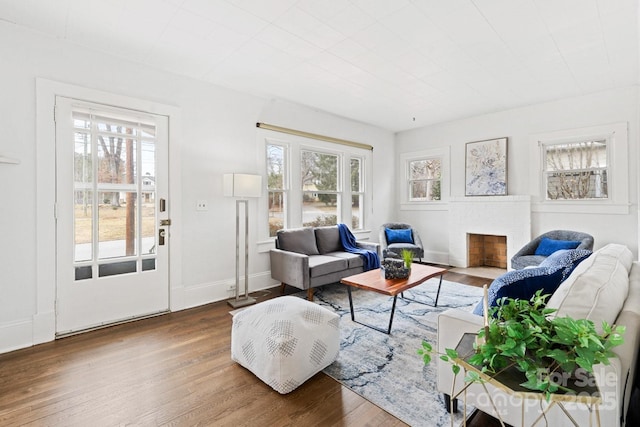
point(300, 240)
point(597, 288)
point(328, 239)
point(399, 235)
point(523, 284)
point(548, 246)
point(354, 260)
point(320, 265)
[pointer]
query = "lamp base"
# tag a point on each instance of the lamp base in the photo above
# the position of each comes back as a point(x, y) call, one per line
point(241, 302)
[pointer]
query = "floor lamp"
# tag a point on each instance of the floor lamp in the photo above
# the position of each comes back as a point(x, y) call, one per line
point(242, 186)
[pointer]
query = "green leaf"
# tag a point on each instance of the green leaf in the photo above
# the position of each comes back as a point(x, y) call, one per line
point(455, 369)
point(473, 377)
point(444, 357)
point(451, 353)
point(426, 358)
point(427, 346)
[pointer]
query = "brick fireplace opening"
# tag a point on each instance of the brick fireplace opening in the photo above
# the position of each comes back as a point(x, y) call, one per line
point(485, 250)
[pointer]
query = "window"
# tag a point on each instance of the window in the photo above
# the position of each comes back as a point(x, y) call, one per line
point(314, 183)
point(576, 170)
point(425, 183)
point(320, 191)
point(357, 193)
point(425, 179)
point(581, 170)
point(276, 187)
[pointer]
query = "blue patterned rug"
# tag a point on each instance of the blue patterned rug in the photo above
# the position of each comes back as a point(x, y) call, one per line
point(385, 369)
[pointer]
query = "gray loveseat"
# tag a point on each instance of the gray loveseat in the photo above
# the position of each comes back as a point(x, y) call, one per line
point(313, 256)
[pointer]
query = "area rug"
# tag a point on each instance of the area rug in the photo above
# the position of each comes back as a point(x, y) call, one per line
point(386, 369)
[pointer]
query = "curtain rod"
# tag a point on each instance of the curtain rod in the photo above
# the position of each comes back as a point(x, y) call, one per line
point(313, 136)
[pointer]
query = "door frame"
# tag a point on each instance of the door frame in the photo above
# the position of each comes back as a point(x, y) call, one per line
point(44, 319)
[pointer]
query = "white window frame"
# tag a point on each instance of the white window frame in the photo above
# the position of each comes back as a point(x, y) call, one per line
point(616, 135)
point(293, 207)
point(445, 192)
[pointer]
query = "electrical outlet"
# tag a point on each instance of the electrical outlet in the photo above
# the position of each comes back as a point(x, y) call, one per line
point(202, 205)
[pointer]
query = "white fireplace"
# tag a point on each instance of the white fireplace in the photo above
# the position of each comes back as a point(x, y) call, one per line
point(508, 216)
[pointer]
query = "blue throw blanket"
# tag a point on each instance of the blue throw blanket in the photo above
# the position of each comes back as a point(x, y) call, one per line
point(348, 241)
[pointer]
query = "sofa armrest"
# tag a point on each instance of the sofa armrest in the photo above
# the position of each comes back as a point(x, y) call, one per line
point(452, 324)
point(291, 268)
point(370, 246)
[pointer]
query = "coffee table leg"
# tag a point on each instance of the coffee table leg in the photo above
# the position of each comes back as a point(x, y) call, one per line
point(350, 303)
point(353, 318)
point(425, 303)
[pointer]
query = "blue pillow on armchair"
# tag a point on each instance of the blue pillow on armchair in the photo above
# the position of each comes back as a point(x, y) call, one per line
point(523, 284)
point(399, 235)
point(548, 246)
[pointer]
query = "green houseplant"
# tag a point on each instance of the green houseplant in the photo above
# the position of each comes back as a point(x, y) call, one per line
point(522, 334)
point(407, 257)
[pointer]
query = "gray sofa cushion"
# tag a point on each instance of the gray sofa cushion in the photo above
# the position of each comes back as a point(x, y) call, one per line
point(300, 240)
point(328, 239)
point(354, 260)
point(320, 265)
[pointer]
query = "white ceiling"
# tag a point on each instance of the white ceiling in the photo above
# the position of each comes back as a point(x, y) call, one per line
point(397, 64)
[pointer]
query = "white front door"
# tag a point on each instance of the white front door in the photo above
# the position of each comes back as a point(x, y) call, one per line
point(111, 203)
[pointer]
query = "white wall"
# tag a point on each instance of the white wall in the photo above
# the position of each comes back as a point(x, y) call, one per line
point(218, 135)
point(518, 125)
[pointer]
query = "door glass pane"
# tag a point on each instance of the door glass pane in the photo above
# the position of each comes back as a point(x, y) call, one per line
point(148, 223)
point(83, 225)
point(116, 160)
point(117, 226)
point(114, 192)
point(148, 168)
point(83, 196)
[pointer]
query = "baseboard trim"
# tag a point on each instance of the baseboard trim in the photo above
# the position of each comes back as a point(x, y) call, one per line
point(207, 293)
point(16, 335)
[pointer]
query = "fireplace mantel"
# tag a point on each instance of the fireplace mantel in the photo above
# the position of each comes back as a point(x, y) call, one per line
point(496, 215)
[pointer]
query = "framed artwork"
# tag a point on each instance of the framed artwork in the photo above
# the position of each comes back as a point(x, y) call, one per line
point(486, 168)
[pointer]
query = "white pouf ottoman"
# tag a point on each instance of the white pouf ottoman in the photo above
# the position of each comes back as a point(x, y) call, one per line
point(285, 341)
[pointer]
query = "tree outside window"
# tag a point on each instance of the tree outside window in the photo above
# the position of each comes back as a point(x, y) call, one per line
point(576, 170)
point(425, 179)
point(319, 179)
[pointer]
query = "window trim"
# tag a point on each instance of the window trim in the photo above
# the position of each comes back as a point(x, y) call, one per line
point(616, 135)
point(443, 153)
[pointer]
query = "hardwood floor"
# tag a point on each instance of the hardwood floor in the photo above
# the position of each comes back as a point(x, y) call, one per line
point(174, 370)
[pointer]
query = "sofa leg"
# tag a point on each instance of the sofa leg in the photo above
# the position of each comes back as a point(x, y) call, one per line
point(282, 286)
point(310, 294)
point(447, 403)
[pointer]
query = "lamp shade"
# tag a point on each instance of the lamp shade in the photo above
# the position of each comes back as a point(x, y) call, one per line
point(242, 185)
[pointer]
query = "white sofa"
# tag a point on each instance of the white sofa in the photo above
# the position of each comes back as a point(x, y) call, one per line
point(605, 286)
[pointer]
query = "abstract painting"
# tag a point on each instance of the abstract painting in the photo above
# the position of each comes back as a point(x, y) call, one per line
point(486, 168)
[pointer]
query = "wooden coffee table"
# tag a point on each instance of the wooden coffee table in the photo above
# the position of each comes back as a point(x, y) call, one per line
point(373, 280)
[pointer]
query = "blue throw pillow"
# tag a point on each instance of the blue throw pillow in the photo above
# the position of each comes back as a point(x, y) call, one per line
point(399, 235)
point(548, 246)
point(523, 284)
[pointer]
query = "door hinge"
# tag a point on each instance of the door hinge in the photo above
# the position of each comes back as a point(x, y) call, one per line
point(165, 222)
